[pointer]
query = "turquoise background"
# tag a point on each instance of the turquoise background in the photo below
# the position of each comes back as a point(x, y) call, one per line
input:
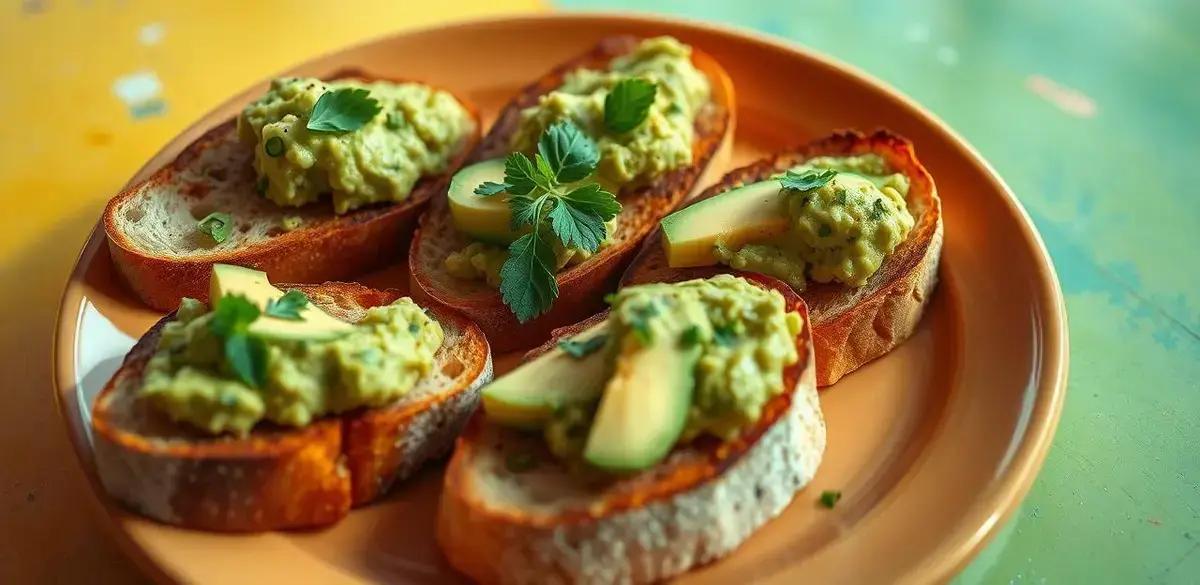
point(1091, 112)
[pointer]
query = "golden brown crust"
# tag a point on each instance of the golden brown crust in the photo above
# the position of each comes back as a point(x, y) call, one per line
point(850, 326)
point(582, 287)
point(337, 247)
point(706, 457)
point(275, 478)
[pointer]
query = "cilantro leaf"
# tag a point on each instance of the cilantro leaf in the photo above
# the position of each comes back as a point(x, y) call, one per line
point(628, 104)
point(544, 172)
point(342, 110)
point(519, 174)
point(571, 154)
point(247, 357)
point(578, 349)
point(216, 225)
point(527, 278)
point(593, 198)
point(575, 227)
point(725, 336)
point(525, 210)
point(690, 337)
point(829, 498)
point(288, 306)
point(808, 180)
point(232, 313)
point(489, 188)
point(639, 322)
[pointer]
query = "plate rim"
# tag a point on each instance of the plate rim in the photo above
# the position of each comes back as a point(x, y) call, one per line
point(974, 530)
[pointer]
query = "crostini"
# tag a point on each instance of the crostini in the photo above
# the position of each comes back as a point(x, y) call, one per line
point(314, 181)
point(641, 443)
point(851, 221)
point(271, 410)
point(576, 171)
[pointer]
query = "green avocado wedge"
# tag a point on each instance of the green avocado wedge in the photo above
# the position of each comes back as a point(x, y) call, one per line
point(485, 218)
point(528, 396)
point(644, 408)
point(749, 213)
point(313, 324)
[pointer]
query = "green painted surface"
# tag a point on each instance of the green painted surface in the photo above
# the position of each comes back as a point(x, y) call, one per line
point(1108, 177)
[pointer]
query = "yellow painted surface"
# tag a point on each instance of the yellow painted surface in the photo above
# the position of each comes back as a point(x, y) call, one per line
point(67, 143)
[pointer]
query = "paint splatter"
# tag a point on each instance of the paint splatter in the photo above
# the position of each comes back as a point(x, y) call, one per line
point(152, 34)
point(1069, 100)
point(947, 55)
point(917, 33)
point(140, 93)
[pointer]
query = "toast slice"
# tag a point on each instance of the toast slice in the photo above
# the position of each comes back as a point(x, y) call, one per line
point(546, 525)
point(152, 236)
point(281, 477)
point(581, 287)
point(851, 326)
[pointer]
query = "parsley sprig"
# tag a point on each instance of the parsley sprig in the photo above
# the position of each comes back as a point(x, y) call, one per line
point(342, 110)
point(628, 104)
point(808, 180)
point(545, 197)
point(245, 354)
point(288, 306)
point(217, 225)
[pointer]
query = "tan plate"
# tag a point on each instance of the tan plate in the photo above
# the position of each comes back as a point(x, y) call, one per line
point(932, 446)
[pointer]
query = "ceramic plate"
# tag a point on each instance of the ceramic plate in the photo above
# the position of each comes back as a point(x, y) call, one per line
point(932, 446)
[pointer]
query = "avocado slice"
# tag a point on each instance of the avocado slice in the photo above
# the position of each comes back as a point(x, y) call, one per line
point(645, 405)
point(739, 216)
point(528, 396)
point(487, 219)
point(313, 325)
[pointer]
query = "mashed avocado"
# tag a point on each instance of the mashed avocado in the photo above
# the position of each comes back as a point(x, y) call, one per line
point(840, 231)
point(417, 132)
point(482, 261)
point(380, 360)
point(745, 337)
point(661, 143)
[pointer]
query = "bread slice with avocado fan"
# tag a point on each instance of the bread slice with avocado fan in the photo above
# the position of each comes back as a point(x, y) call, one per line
point(851, 326)
point(280, 477)
point(545, 525)
point(154, 243)
point(581, 288)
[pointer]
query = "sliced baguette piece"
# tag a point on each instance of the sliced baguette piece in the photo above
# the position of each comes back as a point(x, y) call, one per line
point(851, 326)
point(546, 525)
point(582, 287)
point(152, 236)
point(281, 477)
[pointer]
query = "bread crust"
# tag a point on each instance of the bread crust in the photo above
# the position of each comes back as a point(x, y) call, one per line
point(850, 326)
point(696, 506)
point(582, 287)
point(337, 247)
point(280, 477)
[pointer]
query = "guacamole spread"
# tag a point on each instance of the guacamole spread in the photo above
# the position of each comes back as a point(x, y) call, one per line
point(482, 261)
point(661, 143)
point(379, 360)
point(416, 133)
point(720, 344)
point(840, 231)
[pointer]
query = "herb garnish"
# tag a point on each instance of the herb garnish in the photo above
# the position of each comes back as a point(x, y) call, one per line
point(829, 498)
point(628, 104)
point(541, 199)
point(288, 306)
point(808, 180)
point(690, 337)
point(217, 225)
point(245, 354)
point(579, 349)
point(274, 146)
point(342, 110)
point(725, 336)
point(879, 209)
point(639, 322)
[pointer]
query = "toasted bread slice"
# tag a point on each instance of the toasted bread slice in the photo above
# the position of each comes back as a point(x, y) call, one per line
point(154, 243)
point(581, 288)
point(281, 477)
point(546, 525)
point(851, 326)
